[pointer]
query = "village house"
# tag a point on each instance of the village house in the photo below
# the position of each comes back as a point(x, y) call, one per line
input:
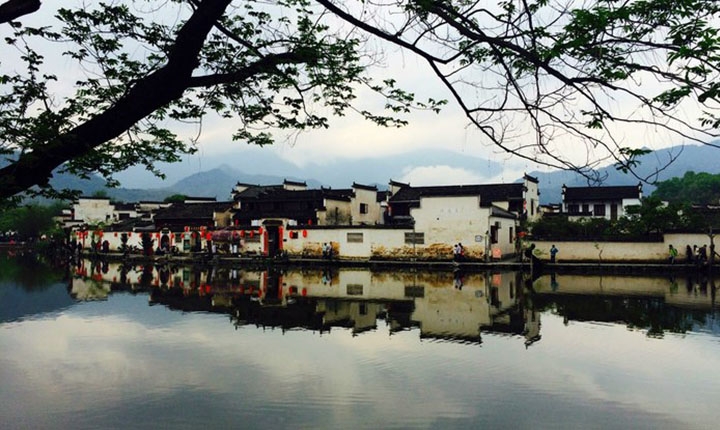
point(294, 204)
point(609, 202)
point(93, 210)
point(484, 218)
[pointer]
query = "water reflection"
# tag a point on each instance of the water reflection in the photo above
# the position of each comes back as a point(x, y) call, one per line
point(656, 304)
point(448, 306)
point(339, 349)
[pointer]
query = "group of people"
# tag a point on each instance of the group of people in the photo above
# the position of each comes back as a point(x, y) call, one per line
point(695, 254)
point(458, 252)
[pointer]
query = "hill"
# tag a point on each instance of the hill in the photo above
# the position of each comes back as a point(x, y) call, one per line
point(697, 158)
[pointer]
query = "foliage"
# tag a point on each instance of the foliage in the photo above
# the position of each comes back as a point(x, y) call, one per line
point(579, 74)
point(533, 77)
point(651, 217)
point(175, 198)
point(147, 65)
point(562, 227)
point(30, 221)
point(147, 243)
point(693, 188)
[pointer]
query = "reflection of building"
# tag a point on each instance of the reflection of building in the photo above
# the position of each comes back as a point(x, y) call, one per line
point(437, 303)
point(441, 305)
point(657, 304)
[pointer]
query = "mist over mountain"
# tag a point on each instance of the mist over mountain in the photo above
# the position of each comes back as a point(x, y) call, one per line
point(696, 158)
point(258, 162)
point(215, 176)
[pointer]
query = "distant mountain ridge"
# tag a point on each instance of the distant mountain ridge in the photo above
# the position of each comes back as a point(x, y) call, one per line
point(697, 158)
point(219, 181)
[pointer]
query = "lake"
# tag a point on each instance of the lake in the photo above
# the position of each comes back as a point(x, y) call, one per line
point(107, 346)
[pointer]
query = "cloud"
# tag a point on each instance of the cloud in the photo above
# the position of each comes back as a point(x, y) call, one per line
point(440, 175)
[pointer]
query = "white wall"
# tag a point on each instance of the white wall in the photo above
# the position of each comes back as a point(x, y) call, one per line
point(93, 211)
point(622, 251)
point(374, 213)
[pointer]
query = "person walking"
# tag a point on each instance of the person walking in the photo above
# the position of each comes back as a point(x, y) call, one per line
point(553, 253)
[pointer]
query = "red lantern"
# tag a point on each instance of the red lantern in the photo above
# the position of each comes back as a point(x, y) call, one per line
point(304, 233)
point(242, 233)
point(252, 233)
point(208, 236)
point(115, 234)
point(187, 228)
point(260, 230)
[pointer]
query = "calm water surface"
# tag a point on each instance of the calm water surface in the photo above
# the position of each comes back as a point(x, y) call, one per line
point(100, 346)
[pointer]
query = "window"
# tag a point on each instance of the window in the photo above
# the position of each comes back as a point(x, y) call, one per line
point(354, 289)
point(415, 238)
point(573, 209)
point(586, 208)
point(494, 233)
point(512, 237)
point(355, 238)
point(599, 210)
point(363, 208)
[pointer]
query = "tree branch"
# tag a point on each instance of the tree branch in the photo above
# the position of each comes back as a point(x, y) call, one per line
point(13, 9)
point(148, 94)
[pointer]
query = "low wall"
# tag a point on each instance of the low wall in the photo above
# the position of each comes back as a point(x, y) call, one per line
point(621, 251)
point(372, 242)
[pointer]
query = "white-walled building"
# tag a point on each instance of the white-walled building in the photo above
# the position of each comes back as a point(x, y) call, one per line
point(599, 202)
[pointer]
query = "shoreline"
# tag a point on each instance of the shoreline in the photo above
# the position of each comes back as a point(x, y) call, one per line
point(542, 266)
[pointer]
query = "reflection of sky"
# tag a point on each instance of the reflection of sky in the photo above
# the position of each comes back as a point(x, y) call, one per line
point(18, 303)
point(122, 363)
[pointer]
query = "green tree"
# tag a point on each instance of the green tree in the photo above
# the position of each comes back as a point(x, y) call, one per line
point(175, 198)
point(30, 221)
point(561, 68)
point(652, 215)
point(693, 188)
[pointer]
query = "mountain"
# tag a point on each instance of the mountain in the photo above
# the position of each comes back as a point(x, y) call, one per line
point(256, 166)
point(697, 158)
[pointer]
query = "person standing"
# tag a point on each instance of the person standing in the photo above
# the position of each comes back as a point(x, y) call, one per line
point(673, 253)
point(553, 253)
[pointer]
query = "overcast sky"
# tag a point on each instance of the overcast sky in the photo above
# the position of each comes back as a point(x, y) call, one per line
point(353, 138)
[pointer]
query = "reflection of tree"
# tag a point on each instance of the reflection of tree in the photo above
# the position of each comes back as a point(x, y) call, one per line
point(651, 314)
point(29, 272)
point(147, 276)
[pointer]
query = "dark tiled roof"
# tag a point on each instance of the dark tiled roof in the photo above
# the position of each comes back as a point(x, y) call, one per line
point(129, 225)
point(189, 211)
point(254, 191)
point(364, 187)
point(277, 193)
point(501, 213)
point(124, 206)
point(601, 193)
point(200, 199)
point(488, 193)
point(296, 183)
